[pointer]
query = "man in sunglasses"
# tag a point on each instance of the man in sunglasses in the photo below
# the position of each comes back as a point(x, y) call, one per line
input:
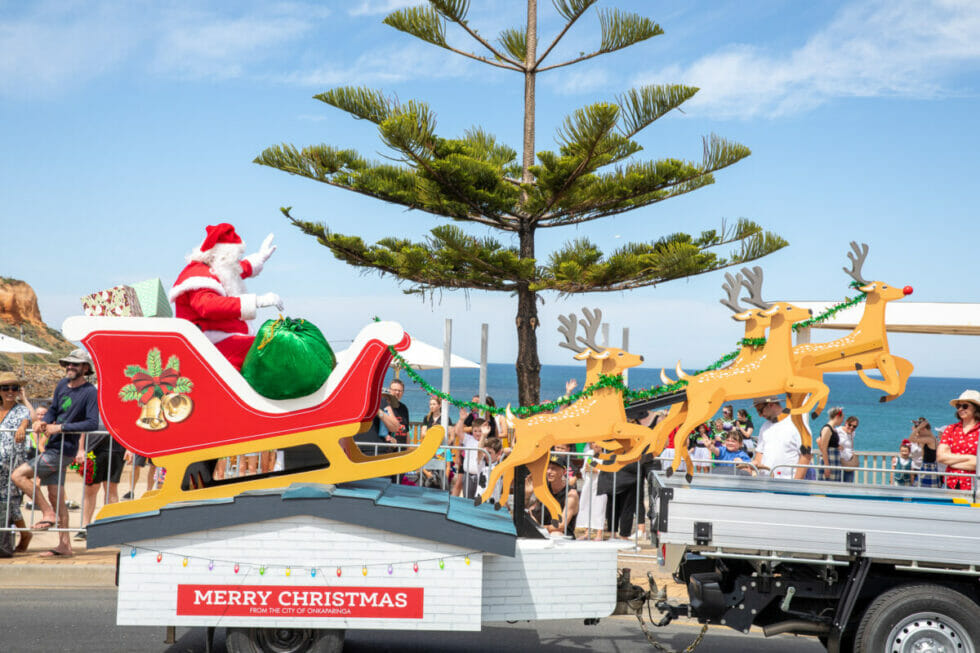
point(74, 408)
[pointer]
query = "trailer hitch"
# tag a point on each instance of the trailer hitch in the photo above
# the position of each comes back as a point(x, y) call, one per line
point(630, 600)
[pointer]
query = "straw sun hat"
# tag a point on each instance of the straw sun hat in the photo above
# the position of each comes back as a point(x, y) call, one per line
point(971, 396)
point(10, 378)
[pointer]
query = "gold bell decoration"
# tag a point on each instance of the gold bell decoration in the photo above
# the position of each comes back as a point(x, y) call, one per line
point(151, 416)
point(176, 407)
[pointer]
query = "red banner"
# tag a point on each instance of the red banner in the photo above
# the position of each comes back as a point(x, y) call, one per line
point(294, 601)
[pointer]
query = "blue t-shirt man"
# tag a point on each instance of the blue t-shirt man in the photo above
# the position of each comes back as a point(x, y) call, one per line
point(75, 409)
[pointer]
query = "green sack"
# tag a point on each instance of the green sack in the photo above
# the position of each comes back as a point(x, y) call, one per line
point(288, 359)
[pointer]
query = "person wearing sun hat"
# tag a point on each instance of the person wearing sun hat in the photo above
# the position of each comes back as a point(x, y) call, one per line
point(958, 444)
point(14, 420)
point(74, 409)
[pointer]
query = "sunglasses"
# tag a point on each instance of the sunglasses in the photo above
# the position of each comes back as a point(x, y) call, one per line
point(962, 406)
point(9, 388)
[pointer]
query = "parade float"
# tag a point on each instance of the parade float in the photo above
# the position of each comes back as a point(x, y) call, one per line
point(290, 560)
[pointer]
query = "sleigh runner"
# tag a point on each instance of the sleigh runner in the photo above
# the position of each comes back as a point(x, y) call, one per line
point(165, 392)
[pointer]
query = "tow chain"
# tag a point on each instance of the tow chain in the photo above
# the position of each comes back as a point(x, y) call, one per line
point(663, 648)
point(635, 605)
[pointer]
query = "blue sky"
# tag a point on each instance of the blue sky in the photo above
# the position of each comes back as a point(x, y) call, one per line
point(128, 126)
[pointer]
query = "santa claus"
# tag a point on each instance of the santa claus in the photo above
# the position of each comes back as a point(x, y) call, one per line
point(210, 291)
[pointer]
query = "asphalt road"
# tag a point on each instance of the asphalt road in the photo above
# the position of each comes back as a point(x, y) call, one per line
point(46, 620)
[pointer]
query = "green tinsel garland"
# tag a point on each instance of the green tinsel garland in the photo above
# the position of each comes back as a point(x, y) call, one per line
point(614, 381)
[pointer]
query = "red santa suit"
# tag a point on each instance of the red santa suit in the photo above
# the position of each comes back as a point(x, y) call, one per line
point(210, 293)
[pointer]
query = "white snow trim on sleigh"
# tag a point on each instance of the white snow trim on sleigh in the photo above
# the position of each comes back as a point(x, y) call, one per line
point(390, 333)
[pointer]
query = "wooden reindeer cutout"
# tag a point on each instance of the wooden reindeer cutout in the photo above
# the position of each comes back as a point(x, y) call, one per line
point(867, 345)
point(600, 416)
point(771, 372)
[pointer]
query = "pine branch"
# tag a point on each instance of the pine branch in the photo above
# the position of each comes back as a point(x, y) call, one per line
point(454, 10)
point(427, 24)
point(571, 11)
point(450, 10)
point(585, 138)
point(642, 184)
point(642, 106)
point(362, 103)
point(448, 258)
point(619, 30)
point(514, 41)
point(421, 22)
point(579, 266)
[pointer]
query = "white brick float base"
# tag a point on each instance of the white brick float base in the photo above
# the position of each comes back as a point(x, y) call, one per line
point(547, 579)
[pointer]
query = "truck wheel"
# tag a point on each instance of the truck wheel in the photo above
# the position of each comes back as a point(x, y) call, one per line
point(913, 618)
point(284, 640)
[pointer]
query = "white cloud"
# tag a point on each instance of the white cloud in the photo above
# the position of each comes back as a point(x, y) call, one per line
point(218, 46)
point(881, 48)
point(375, 7)
point(53, 46)
point(386, 64)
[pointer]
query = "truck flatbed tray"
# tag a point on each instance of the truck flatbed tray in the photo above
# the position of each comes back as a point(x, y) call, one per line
point(820, 518)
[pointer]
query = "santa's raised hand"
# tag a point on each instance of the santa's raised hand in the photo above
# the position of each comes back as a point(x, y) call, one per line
point(269, 299)
point(258, 259)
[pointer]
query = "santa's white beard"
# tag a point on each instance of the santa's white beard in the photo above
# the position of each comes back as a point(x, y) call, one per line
point(226, 264)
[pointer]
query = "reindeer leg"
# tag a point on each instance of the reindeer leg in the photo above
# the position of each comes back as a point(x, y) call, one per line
point(653, 440)
point(904, 372)
point(793, 401)
point(539, 481)
point(506, 470)
point(892, 381)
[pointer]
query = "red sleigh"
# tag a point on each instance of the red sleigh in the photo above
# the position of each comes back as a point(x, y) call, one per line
point(167, 393)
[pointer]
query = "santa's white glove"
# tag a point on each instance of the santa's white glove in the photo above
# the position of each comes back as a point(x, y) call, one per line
point(268, 299)
point(258, 259)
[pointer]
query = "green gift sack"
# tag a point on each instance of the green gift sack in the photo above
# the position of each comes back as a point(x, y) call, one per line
point(288, 359)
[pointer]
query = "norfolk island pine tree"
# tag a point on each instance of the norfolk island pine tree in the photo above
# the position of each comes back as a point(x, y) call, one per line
point(473, 178)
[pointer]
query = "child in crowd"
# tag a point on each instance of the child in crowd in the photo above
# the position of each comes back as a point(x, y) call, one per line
point(730, 451)
point(743, 423)
point(698, 446)
point(924, 444)
point(496, 449)
point(902, 464)
point(473, 461)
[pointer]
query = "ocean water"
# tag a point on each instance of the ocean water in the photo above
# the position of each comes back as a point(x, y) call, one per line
point(882, 425)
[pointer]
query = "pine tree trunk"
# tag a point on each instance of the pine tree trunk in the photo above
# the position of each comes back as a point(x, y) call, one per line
point(528, 365)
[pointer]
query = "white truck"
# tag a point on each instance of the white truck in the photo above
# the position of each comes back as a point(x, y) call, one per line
point(864, 568)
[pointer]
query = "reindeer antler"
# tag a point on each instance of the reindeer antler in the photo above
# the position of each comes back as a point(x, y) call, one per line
point(732, 286)
point(753, 281)
point(591, 323)
point(857, 261)
point(567, 329)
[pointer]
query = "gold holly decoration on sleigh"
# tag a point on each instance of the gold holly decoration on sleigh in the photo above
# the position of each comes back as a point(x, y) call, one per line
point(159, 390)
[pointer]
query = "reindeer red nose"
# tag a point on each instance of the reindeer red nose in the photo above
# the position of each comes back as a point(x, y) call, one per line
point(907, 290)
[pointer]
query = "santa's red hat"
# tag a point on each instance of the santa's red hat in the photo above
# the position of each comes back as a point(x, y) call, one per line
point(219, 233)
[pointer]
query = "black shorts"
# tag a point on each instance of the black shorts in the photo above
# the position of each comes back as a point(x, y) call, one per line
point(108, 466)
point(50, 467)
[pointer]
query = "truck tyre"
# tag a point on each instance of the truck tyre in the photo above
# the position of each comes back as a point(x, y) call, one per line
point(919, 618)
point(284, 640)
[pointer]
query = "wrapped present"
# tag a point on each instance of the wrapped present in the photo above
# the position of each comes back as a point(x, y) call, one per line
point(119, 301)
point(152, 298)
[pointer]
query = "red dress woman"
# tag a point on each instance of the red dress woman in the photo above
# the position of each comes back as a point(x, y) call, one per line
point(958, 445)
